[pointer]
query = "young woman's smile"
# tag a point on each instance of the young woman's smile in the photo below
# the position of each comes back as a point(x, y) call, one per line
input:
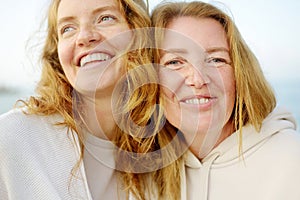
point(91, 38)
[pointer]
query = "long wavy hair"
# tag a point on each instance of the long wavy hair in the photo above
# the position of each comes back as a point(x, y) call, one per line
point(255, 98)
point(54, 94)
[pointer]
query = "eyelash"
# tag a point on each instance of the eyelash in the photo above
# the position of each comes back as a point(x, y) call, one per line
point(102, 17)
point(175, 63)
point(63, 30)
point(172, 62)
point(217, 61)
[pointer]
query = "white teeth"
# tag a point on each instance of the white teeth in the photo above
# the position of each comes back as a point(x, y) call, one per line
point(197, 101)
point(94, 57)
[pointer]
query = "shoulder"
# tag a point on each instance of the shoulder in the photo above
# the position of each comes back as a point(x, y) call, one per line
point(279, 129)
point(18, 127)
point(38, 138)
point(286, 145)
point(288, 137)
point(15, 121)
point(18, 120)
point(283, 159)
point(277, 148)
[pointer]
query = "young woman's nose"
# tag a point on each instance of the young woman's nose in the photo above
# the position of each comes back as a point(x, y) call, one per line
point(196, 78)
point(88, 36)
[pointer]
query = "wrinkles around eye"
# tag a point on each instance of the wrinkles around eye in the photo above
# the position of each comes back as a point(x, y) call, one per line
point(174, 64)
point(217, 62)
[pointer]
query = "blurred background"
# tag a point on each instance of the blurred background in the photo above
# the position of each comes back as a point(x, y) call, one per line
point(271, 29)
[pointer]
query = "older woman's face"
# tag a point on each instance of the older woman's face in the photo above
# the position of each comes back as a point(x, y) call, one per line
point(90, 41)
point(197, 80)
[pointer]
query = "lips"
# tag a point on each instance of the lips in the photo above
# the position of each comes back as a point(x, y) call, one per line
point(93, 57)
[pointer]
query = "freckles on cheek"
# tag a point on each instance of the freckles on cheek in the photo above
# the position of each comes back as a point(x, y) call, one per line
point(168, 96)
point(231, 86)
point(171, 107)
point(66, 61)
point(64, 54)
point(173, 114)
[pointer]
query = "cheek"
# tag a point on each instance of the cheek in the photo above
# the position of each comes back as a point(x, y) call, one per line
point(230, 91)
point(110, 75)
point(171, 107)
point(64, 54)
point(170, 81)
point(172, 113)
point(119, 38)
point(167, 94)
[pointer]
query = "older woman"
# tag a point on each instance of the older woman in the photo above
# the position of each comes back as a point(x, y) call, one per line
point(241, 146)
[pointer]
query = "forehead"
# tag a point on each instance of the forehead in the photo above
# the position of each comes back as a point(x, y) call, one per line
point(78, 7)
point(205, 32)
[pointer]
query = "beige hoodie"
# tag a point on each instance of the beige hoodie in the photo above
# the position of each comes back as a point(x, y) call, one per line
point(269, 168)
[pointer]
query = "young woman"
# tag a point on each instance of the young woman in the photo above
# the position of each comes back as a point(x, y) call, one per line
point(80, 136)
point(241, 145)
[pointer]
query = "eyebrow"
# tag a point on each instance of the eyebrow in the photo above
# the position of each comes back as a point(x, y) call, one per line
point(98, 10)
point(216, 49)
point(174, 50)
point(184, 51)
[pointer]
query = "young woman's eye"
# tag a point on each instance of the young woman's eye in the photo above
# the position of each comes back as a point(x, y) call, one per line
point(66, 29)
point(106, 18)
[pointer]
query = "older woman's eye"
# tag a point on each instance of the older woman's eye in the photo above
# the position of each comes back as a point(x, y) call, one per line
point(216, 62)
point(174, 64)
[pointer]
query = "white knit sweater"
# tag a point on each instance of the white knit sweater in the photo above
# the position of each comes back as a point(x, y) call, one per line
point(36, 159)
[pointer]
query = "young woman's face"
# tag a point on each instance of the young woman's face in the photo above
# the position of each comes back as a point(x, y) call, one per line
point(91, 37)
point(197, 80)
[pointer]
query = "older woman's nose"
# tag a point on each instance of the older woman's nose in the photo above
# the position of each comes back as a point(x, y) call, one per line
point(196, 78)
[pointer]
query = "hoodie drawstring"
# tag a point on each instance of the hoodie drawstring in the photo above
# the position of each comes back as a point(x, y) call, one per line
point(204, 174)
point(200, 177)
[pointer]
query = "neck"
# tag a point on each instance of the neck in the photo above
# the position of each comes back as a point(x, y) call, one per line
point(226, 132)
point(98, 116)
point(204, 143)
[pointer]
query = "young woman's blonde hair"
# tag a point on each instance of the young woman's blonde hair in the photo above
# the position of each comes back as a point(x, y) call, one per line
point(55, 95)
point(255, 98)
